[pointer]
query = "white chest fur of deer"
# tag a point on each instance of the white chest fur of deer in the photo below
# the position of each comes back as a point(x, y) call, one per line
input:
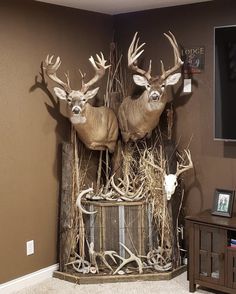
point(97, 127)
point(138, 117)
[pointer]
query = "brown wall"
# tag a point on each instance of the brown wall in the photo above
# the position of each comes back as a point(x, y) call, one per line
point(215, 162)
point(30, 132)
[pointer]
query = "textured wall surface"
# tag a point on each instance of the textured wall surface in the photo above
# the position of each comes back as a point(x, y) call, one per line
point(193, 25)
point(31, 128)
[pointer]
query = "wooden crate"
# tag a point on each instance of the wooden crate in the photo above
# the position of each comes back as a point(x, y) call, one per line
point(115, 222)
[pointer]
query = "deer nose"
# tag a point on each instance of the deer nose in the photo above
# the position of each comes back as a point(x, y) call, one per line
point(155, 95)
point(76, 109)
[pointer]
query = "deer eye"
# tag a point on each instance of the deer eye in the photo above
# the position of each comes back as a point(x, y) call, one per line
point(162, 87)
point(69, 100)
point(148, 86)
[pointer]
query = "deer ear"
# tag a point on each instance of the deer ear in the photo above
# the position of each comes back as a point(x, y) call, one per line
point(60, 93)
point(140, 80)
point(173, 79)
point(90, 94)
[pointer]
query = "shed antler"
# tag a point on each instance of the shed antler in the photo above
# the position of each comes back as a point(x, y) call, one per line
point(100, 69)
point(182, 168)
point(177, 59)
point(132, 258)
point(79, 198)
point(51, 69)
point(125, 194)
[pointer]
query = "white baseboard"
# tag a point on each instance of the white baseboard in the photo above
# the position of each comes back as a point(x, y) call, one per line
point(28, 280)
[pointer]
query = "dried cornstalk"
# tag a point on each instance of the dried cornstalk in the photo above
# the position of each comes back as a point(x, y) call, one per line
point(156, 195)
point(79, 176)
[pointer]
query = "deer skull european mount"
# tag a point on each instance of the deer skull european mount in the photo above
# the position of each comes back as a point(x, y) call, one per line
point(170, 181)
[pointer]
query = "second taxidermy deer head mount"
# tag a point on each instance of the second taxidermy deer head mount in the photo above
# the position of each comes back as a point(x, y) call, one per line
point(138, 117)
point(97, 127)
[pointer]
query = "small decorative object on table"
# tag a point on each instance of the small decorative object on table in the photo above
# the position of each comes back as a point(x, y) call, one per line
point(223, 202)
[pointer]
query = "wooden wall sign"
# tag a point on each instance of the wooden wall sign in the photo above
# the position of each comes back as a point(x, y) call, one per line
point(194, 59)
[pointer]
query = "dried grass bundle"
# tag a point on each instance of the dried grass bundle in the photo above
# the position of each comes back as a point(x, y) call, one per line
point(80, 169)
point(149, 157)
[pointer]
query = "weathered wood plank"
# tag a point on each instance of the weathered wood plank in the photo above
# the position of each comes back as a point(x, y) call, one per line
point(108, 230)
point(111, 228)
point(100, 279)
point(66, 206)
point(114, 203)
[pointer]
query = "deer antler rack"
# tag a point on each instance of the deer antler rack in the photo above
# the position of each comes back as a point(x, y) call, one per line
point(51, 71)
point(100, 69)
point(177, 59)
point(99, 66)
point(133, 55)
point(182, 168)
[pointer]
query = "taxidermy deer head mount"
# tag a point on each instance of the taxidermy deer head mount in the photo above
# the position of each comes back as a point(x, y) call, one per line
point(138, 117)
point(97, 127)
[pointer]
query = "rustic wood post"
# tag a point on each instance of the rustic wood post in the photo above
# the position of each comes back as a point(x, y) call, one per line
point(66, 221)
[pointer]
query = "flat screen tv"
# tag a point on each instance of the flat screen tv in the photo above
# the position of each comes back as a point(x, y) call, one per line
point(225, 83)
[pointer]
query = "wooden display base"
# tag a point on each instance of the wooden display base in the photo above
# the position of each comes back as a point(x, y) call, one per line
point(101, 279)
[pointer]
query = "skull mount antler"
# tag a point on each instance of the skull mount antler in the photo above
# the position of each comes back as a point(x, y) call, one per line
point(170, 180)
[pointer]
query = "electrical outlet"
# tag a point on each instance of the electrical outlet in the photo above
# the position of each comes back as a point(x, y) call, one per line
point(30, 247)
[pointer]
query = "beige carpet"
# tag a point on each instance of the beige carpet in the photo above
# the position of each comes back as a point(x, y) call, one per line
point(178, 285)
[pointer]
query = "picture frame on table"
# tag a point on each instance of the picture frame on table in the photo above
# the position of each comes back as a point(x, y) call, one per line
point(223, 202)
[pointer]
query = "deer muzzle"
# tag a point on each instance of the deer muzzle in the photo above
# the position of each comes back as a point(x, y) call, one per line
point(76, 110)
point(154, 95)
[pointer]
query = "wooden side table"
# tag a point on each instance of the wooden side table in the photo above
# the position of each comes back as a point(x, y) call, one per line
point(212, 261)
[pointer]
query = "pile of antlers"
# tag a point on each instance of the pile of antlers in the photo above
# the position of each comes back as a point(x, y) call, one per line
point(155, 260)
point(124, 191)
point(127, 189)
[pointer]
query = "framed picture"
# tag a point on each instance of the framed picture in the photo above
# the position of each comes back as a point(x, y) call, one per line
point(223, 202)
